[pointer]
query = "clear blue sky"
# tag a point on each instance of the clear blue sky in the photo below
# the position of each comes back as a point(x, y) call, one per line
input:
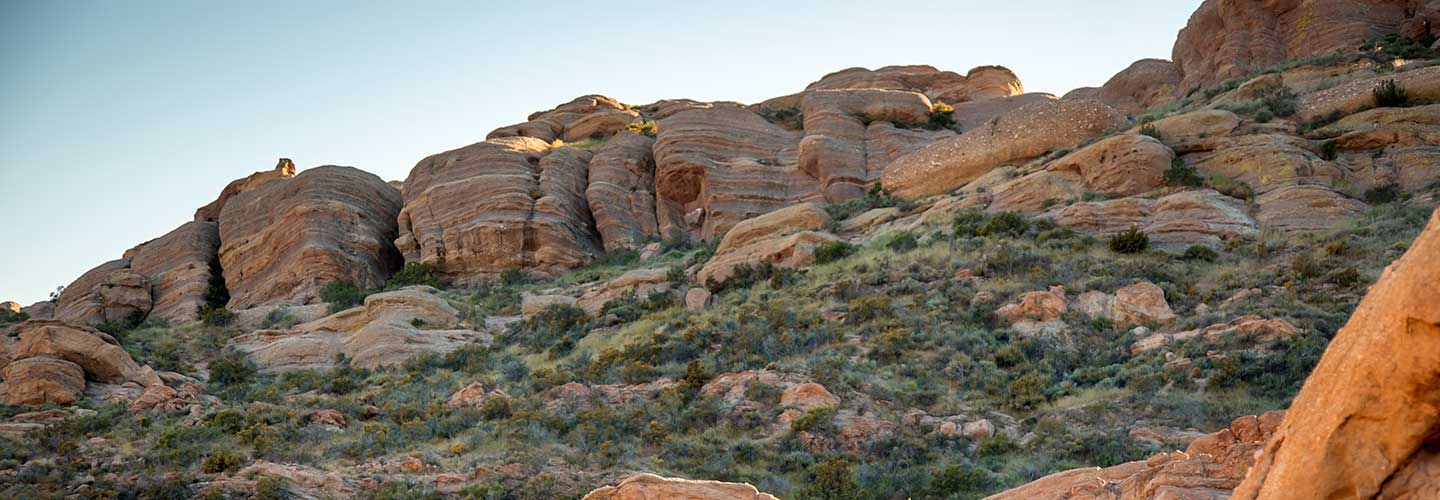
point(118, 119)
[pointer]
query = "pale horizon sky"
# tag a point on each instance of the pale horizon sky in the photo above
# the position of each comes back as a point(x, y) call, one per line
point(121, 118)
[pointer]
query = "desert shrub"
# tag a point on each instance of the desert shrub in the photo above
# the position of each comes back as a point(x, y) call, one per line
point(875, 197)
point(1396, 45)
point(216, 294)
point(968, 222)
point(616, 258)
point(967, 481)
point(791, 118)
point(414, 273)
point(8, 316)
point(1279, 101)
point(1329, 150)
point(231, 368)
point(1150, 130)
point(1010, 224)
point(902, 242)
point(341, 295)
point(941, 116)
point(1180, 174)
point(272, 488)
point(1200, 252)
point(216, 316)
point(558, 327)
point(1231, 187)
point(630, 307)
point(1382, 194)
point(221, 460)
point(1319, 122)
point(820, 419)
point(834, 480)
point(514, 277)
point(647, 128)
point(833, 251)
point(495, 408)
point(1027, 391)
point(1390, 94)
point(1132, 240)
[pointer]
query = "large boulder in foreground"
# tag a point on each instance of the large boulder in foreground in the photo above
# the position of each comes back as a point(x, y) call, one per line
point(1362, 426)
point(283, 241)
point(1027, 132)
point(506, 203)
point(650, 486)
point(1208, 469)
point(783, 238)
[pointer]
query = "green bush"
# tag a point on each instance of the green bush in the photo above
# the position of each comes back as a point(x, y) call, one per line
point(1382, 194)
point(1280, 101)
point(414, 273)
point(1200, 252)
point(221, 461)
point(1390, 94)
point(1181, 175)
point(216, 316)
point(1005, 224)
point(834, 480)
point(647, 128)
point(791, 118)
point(1150, 130)
point(1132, 240)
point(1329, 150)
point(941, 116)
point(341, 295)
point(514, 277)
point(231, 368)
point(1396, 45)
point(8, 316)
point(903, 242)
point(833, 251)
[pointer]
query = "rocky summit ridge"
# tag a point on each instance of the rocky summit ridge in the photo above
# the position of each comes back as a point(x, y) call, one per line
point(904, 279)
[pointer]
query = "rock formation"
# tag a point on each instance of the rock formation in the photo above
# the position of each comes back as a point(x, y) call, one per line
point(109, 292)
point(506, 203)
point(621, 191)
point(178, 266)
point(650, 486)
point(1373, 439)
point(283, 241)
point(591, 116)
point(51, 360)
point(1146, 83)
point(284, 169)
point(783, 238)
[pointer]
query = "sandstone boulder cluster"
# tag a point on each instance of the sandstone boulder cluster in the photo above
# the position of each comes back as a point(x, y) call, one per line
point(51, 362)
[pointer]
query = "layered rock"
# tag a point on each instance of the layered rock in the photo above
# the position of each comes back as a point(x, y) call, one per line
point(178, 266)
point(1262, 162)
point(980, 83)
point(507, 203)
point(284, 169)
point(1371, 439)
point(1230, 38)
point(720, 165)
point(41, 380)
point(590, 116)
point(783, 238)
point(1253, 331)
point(1119, 165)
point(1146, 83)
point(1306, 208)
point(111, 292)
point(389, 328)
point(283, 241)
point(621, 191)
point(637, 282)
point(1198, 217)
point(1420, 85)
point(649, 486)
point(834, 148)
point(51, 360)
point(1208, 469)
point(1022, 134)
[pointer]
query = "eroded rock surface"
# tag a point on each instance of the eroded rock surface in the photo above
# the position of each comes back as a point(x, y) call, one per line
point(650, 486)
point(783, 238)
point(284, 169)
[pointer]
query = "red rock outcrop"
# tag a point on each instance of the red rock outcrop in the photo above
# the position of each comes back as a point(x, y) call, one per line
point(1208, 469)
point(178, 267)
point(980, 83)
point(283, 241)
point(1255, 331)
point(834, 149)
point(506, 203)
point(650, 486)
point(783, 238)
point(621, 192)
point(94, 351)
point(1230, 38)
point(284, 169)
point(1198, 217)
point(109, 292)
point(1146, 83)
point(1363, 425)
point(1024, 133)
point(42, 380)
point(582, 118)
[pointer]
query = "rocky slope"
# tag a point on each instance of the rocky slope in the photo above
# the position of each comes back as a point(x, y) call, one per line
point(899, 282)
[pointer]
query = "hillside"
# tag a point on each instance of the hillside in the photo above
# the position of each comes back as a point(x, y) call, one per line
point(903, 282)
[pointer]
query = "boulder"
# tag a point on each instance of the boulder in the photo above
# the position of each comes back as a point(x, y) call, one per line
point(650, 486)
point(621, 193)
point(1196, 217)
point(1046, 305)
point(284, 169)
point(328, 417)
point(1119, 165)
point(1140, 303)
point(973, 114)
point(783, 238)
point(163, 399)
point(1253, 331)
point(44, 309)
point(473, 396)
point(1361, 425)
point(1178, 130)
point(283, 241)
point(698, 298)
point(507, 203)
point(1208, 469)
point(1024, 133)
point(1306, 208)
point(94, 351)
point(111, 292)
point(1229, 38)
point(178, 266)
point(638, 282)
point(1146, 83)
point(808, 396)
point(1035, 192)
point(42, 380)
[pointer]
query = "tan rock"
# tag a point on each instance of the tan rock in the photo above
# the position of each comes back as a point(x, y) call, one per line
point(1306, 208)
point(621, 192)
point(1119, 165)
point(582, 118)
point(471, 396)
point(302, 480)
point(1026, 132)
point(1360, 424)
point(698, 298)
point(1140, 303)
point(1179, 129)
point(328, 417)
point(1198, 217)
point(783, 238)
point(638, 282)
point(1264, 162)
point(834, 150)
point(109, 292)
point(1420, 85)
point(808, 396)
point(1382, 127)
point(96, 352)
point(1255, 331)
point(44, 309)
point(42, 380)
point(507, 203)
point(283, 241)
point(1035, 192)
point(1036, 306)
point(649, 486)
point(1146, 83)
point(284, 169)
point(164, 399)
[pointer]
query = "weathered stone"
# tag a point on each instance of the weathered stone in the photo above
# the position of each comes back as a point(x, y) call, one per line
point(283, 241)
point(621, 193)
point(582, 118)
point(638, 282)
point(1119, 165)
point(698, 298)
point(109, 292)
point(1026, 132)
point(1254, 331)
point(96, 352)
point(42, 380)
point(178, 267)
point(532, 305)
point(1198, 217)
point(1306, 208)
point(1420, 85)
point(284, 169)
point(1146, 83)
point(834, 150)
point(783, 238)
point(808, 396)
point(650, 486)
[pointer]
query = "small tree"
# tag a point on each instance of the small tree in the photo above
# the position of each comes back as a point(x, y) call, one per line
point(1131, 241)
point(1390, 94)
